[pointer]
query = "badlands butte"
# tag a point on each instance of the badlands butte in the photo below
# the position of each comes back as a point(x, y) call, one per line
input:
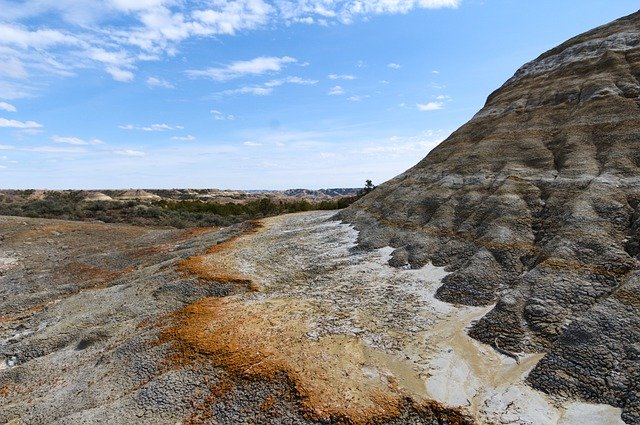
point(495, 282)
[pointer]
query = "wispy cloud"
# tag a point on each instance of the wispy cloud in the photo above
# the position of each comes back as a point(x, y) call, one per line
point(394, 66)
point(128, 152)
point(54, 149)
point(341, 77)
point(254, 90)
point(291, 80)
point(25, 125)
point(159, 82)
point(252, 144)
point(268, 87)
point(76, 141)
point(187, 138)
point(397, 145)
point(219, 116)
point(346, 11)
point(336, 91)
point(257, 66)
point(430, 106)
point(152, 127)
point(7, 107)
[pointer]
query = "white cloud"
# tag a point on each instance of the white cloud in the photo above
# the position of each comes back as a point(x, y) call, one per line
point(129, 152)
point(159, 82)
point(252, 144)
point(394, 66)
point(26, 125)
point(336, 91)
point(290, 80)
point(187, 138)
point(136, 5)
point(396, 145)
point(13, 68)
point(346, 11)
point(39, 39)
point(219, 116)
point(430, 106)
point(257, 66)
point(435, 72)
point(228, 17)
point(357, 98)
point(254, 90)
point(120, 74)
point(54, 149)
point(119, 64)
point(116, 35)
point(341, 77)
point(152, 127)
point(7, 107)
point(76, 141)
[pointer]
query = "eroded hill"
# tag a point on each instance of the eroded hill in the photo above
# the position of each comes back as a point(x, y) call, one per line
point(534, 206)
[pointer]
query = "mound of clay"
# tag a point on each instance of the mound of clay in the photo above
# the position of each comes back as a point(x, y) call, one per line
point(534, 205)
point(138, 195)
point(97, 196)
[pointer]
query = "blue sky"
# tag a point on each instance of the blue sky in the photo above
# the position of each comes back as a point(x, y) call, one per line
point(254, 94)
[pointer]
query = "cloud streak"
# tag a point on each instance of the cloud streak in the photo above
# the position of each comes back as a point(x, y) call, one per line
point(23, 125)
point(430, 106)
point(150, 128)
point(76, 141)
point(253, 67)
point(7, 107)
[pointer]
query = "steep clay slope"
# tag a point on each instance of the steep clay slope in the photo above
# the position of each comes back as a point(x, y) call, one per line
point(534, 205)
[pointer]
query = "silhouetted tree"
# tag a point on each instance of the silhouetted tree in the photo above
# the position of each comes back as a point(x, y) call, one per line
point(368, 187)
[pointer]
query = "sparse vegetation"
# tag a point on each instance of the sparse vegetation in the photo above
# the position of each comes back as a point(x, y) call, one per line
point(180, 213)
point(368, 187)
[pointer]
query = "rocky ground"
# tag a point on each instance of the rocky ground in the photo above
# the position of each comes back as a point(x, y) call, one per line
point(117, 324)
point(279, 321)
point(534, 208)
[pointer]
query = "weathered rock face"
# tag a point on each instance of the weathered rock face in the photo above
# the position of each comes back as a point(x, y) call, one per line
point(535, 206)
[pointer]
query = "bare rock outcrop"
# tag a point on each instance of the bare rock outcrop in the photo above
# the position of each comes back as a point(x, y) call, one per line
point(138, 195)
point(534, 205)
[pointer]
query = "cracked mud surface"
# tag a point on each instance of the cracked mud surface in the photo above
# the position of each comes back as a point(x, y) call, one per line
point(106, 323)
point(308, 329)
point(356, 335)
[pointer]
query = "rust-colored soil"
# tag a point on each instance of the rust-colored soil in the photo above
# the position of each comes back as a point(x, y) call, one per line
point(99, 277)
point(263, 340)
point(218, 265)
point(335, 377)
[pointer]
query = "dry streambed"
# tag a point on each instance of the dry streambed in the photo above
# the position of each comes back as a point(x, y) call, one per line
point(354, 335)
